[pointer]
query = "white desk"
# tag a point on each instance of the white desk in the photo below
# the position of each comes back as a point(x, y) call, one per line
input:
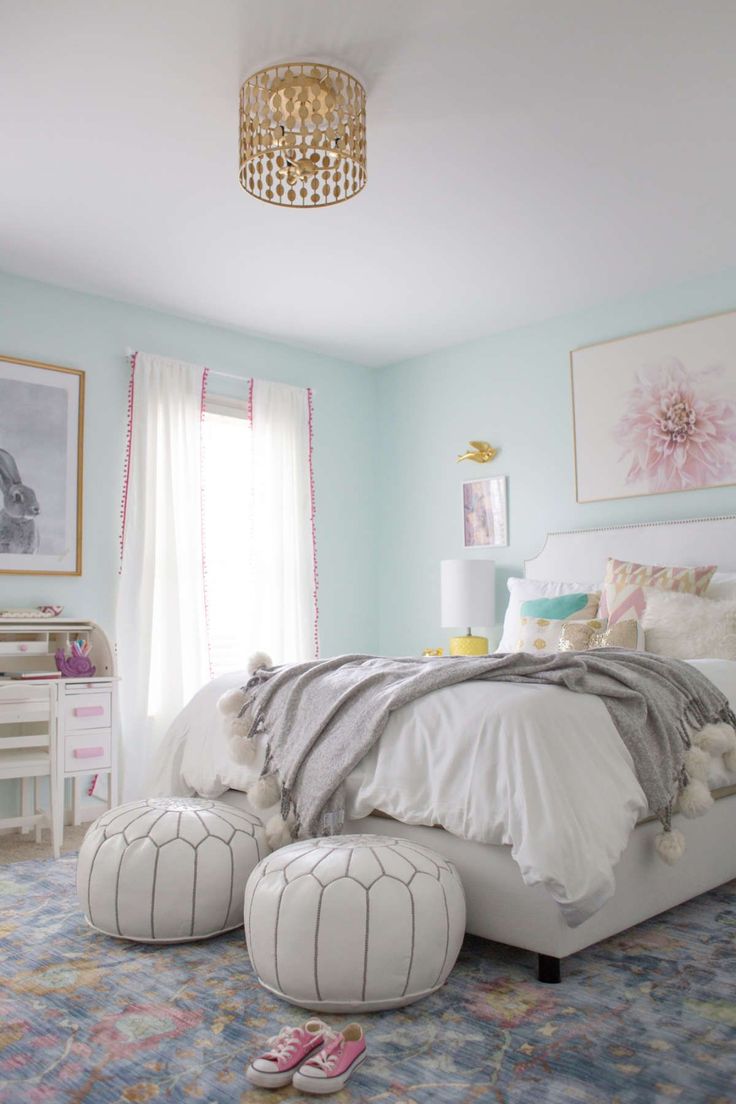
point(82, 719)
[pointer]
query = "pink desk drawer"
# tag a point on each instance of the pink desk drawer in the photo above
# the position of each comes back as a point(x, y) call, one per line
point(83, 711)
point(87, 751)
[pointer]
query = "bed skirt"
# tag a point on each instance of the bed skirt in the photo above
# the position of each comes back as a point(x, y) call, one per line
point(502, 908)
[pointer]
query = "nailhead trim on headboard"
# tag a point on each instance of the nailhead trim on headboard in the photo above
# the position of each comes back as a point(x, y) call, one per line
point(626, 527)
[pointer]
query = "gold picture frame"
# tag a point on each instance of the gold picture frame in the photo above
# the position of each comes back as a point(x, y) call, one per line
point(41, 441)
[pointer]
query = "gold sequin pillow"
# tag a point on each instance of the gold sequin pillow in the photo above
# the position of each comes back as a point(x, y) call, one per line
point(580, 636)
point(542, 635)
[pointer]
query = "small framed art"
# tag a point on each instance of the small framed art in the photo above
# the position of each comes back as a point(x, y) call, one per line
point(485, 515)
point(656, 412)
point(41, 441)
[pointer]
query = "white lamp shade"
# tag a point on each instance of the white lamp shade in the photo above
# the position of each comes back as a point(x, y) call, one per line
point(468, 593)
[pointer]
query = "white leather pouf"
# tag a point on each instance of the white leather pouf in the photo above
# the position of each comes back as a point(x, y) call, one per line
point(354, 923)
point(167, 870)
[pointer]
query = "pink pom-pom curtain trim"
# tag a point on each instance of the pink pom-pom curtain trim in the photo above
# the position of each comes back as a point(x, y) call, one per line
point(126, 461)
point(312, 518)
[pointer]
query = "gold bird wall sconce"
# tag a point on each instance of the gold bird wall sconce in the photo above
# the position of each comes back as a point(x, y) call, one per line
point(480, 451)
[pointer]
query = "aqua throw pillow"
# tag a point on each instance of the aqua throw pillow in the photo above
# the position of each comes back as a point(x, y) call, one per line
point(576, 606)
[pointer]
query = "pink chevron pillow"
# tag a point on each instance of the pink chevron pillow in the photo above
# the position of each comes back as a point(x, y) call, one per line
point(623, 597)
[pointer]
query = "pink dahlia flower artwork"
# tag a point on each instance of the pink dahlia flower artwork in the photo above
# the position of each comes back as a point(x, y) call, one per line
point(677, 432)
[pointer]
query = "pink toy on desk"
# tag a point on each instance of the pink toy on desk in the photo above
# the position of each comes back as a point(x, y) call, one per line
point(78, 664)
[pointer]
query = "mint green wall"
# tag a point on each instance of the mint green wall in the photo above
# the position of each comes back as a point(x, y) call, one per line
point(41, 322)
point(513, 390)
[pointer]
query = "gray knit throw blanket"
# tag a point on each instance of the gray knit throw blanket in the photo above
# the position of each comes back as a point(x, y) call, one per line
point(321, 718)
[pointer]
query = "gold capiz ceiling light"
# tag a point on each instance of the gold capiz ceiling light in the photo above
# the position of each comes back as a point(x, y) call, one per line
point(302, 135)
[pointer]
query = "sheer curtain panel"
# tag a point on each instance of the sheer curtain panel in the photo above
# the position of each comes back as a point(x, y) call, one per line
point(161, 609)
point(285, 614)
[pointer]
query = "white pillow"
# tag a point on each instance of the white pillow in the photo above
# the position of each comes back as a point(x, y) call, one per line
point(684, 626)
point(521, 590)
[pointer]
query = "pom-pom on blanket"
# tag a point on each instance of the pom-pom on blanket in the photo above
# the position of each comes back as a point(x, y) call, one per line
point(321, 718)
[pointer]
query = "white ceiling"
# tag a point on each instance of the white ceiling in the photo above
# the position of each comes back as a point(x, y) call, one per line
point(525, 158)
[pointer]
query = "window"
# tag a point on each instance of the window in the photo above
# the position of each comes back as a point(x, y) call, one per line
point(227, 514)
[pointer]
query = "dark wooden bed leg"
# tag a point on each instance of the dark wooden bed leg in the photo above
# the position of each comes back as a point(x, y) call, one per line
point(548, 969)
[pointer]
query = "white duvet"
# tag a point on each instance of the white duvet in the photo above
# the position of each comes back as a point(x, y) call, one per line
point(537, 768)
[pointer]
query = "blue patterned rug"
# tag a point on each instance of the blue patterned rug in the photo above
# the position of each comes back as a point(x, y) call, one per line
point(648, 1016)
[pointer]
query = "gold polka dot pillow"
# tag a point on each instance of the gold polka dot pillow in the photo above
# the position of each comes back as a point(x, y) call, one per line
point(541, 635)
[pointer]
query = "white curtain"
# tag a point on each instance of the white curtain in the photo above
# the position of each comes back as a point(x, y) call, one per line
point(161, 616)
point(283, 543)
point(162, 629)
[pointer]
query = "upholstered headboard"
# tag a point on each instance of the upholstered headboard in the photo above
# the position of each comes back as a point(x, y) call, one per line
point(580, 555)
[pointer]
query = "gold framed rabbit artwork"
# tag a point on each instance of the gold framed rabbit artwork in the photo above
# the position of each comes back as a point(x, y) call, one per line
point(41, 449)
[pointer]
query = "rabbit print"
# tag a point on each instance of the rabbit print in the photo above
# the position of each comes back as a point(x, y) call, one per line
point(18, 528)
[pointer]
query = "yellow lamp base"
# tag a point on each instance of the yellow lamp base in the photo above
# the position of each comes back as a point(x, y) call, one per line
point(468, 645)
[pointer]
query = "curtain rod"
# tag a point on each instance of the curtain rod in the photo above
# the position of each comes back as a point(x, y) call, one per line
point(229, 375)
point(212, 371)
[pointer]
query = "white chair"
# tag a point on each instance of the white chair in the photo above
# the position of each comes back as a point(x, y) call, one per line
point(30, 756)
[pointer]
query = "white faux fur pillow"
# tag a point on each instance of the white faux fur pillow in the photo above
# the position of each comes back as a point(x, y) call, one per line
point(684, 626)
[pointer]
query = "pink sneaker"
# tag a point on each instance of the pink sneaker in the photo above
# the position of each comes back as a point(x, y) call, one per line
point(329, 1071)
point(286, 1052)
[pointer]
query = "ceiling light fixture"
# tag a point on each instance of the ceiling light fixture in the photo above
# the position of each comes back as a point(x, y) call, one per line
point(302, 135)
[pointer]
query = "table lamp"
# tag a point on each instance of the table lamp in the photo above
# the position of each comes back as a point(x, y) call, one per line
point(468, 598)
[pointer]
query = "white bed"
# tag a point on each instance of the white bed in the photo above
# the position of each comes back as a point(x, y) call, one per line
point(500, 906)
point(509, 908)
